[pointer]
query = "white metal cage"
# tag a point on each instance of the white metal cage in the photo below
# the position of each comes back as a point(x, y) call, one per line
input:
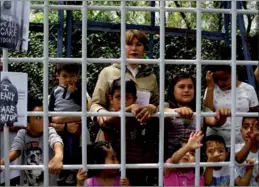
point(45, 59)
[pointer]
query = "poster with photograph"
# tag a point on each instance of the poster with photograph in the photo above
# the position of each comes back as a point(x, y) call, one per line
point(14, 24)
point(13, 99)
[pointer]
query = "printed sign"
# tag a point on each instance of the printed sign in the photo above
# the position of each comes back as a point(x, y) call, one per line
point(14, 25)
point(13, 99)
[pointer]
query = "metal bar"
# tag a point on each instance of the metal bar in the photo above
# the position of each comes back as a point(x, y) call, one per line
point(132, 61)
point(45, 94)
point(6, 129)
point(198, 88)
point(166, 114)
point(142, 8)
point(233, 90)
point(131, 166)
point(123, 89)
point(60, 30)
point(84, 85)
point(161, 92)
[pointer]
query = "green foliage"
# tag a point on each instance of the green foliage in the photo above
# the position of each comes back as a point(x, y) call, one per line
point(107, 44)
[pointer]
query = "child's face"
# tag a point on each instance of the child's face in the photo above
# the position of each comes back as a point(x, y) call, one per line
point(67, 78)
point(111, 158)
point(36, 122)
point(216, 151)
point(184, 91)
point(115, 100)
point(188, 157)
point(248, 127)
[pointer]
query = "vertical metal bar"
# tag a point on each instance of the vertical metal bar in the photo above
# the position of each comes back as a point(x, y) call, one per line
point(233, 90)
point(123, 71)
point(6, 130)
point(198, 87)
point(45, 93)
point(84, 84)
point(60, 30)
point(69, 33)
point(161, 92)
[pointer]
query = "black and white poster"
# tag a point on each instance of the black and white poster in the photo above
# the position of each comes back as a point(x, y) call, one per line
point(14, 24)
point(13, 99)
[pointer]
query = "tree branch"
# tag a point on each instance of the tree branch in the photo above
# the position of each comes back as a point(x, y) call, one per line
point(183, 15)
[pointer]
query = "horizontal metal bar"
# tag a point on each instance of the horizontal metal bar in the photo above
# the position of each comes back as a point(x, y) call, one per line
point(130, 166)
point(131, 61)
point(142, 8)
point(166, 114)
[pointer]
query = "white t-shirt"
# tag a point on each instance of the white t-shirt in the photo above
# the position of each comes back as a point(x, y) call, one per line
point(221, 177)
point(245, 98)
point(241, 169)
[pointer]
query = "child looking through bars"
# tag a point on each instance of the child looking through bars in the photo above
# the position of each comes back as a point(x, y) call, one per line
point(67, 96)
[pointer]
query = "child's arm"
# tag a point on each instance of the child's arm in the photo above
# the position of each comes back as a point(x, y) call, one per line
point(13, 155)
point(208, 176)
point(81, 177)
point(65, 119)
point(221, 117)
point(56, 163)
point(193, 143)
point(208, 101)
point(243, 153)
point(245, 179)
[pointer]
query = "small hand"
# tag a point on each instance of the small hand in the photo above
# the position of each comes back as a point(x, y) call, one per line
point(55, 165)
point(71, 88)
point(251, 162)
point(185, 112)
point(222, 114)
point(81, 177)
point(194, 140)
point(73, 127)
point(209, 79)
point(124, 182)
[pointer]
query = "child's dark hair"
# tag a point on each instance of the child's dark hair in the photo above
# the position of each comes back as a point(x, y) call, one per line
point(33, 103)
point(97, 153)
point(215, 138)
point(130, 87)
point(69, 68)
point(171, 98)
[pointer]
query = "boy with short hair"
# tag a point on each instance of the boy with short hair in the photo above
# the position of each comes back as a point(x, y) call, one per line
point(248, 152)
point(67, 96)
point(216, 151)
point(28, 143)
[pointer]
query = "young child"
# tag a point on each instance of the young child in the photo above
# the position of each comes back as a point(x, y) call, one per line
point(216, 151)
point(138, 148)
point(66, 96)
point(248, 152)
point(186, 154)
point(101, 153)
point(28, 143)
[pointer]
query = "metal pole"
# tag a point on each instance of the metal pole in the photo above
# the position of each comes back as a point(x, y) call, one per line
point(45, 93)
point(198, 89)
point(6, 130)
point(233, 90)
point(60, 30)
point(123, 95)
point(161, 93)
point(84, 84)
